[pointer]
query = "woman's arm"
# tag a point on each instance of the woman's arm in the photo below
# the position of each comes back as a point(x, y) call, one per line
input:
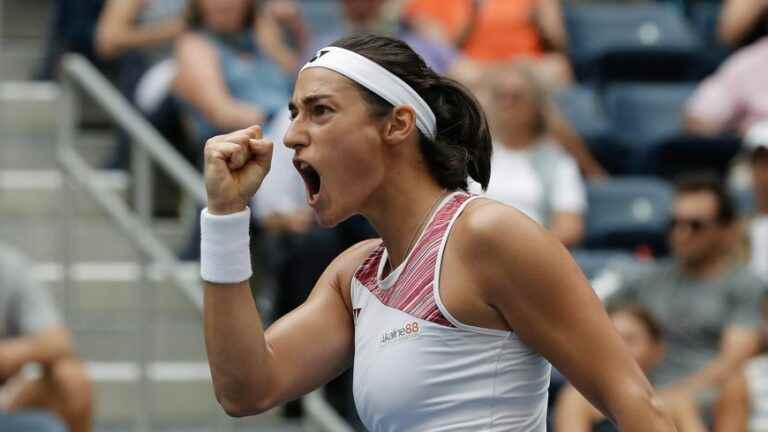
point(198, 62)
point(549, 18)
point(738, 18)
point(528, 277)
point(568, 227)
point(573, 413)
point(117, 32)
point(254, 370)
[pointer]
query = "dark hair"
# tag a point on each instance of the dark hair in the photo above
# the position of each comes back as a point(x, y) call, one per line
point(646, 318)
point(462, 146)
point(708, 182)
point(195, 15)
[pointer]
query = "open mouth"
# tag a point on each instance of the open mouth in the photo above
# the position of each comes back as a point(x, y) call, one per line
point(311, 179)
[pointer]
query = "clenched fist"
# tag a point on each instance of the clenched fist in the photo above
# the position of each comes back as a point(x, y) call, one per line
point(235, 165)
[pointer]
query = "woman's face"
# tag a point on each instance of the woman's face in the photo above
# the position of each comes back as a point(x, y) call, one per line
point(224, 16)
point(337, 144)
point(646, 351)
point(514, 103)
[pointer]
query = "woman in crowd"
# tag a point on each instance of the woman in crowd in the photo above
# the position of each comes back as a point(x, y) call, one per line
point(531, 171)
point(645, 340)
point(233, 70)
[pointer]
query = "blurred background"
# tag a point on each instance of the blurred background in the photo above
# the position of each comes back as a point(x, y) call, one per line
point(597, 107)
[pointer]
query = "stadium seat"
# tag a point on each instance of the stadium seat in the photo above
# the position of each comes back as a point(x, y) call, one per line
point(581, 106)
point(645, 42)
point(643, 115)
point(676, 155)
point(629, 213)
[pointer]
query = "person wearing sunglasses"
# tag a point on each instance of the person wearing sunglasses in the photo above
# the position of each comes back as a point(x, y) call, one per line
point(705, 299)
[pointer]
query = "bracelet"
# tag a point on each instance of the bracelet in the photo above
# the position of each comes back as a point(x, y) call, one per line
point(225, 255)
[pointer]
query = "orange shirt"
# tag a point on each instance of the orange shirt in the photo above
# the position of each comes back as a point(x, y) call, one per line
point(504, 29)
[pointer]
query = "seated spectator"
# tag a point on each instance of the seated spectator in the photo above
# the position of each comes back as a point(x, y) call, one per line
point(246, 82)
point(745, 397)
point(138, 35)
point(372, 16)
point(72, 28)
point(742, 22)
point(733, 98)
point(757, 143)
point(529, 170)
point(32, 332)
point(645, 339)
point(494, 31)
point(706, 301)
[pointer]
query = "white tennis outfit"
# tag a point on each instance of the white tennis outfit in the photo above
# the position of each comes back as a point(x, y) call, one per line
point(417, 368)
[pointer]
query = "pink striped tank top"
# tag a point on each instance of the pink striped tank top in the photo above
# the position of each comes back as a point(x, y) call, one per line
point(417, 368)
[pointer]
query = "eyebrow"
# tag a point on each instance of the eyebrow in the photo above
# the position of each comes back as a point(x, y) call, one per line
point(308, 100)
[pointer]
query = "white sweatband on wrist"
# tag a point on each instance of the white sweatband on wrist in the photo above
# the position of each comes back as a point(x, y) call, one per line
point(225, 253)
point(379, 80)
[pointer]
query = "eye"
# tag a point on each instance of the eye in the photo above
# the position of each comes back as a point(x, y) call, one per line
point(319, 110)
point(293, 113)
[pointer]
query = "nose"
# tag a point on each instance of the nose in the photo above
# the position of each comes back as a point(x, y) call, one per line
point(296, 136)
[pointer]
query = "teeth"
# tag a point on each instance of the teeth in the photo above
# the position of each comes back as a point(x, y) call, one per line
point(303, 165)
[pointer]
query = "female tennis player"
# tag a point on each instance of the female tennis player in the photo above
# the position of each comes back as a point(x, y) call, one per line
point(451, 316)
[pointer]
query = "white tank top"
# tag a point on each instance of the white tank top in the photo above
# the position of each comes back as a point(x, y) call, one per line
point(417, 368)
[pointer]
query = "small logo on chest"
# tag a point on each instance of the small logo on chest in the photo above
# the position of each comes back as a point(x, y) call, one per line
point(408, 331)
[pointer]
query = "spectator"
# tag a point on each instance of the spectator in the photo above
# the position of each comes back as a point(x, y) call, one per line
point(645, 339)
point(493, 31)
point(372, 16)
point(33, 333)
point(733, 98)
point(246, 80)
point(529, 170)
point(139, 36)
point(742, 22)
point(706, 302)
point(745, 395)
point(757, 143)
point(72, 28)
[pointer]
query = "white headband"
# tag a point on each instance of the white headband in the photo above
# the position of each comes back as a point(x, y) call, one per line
point(377, 79)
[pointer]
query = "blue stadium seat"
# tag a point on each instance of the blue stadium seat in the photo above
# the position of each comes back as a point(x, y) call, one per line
point(647, 42)
point(581, 106)
point(643, 115)
point(628, 213)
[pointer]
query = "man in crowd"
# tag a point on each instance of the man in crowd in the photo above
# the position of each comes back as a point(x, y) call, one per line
point(707, 303)
point(31, 332)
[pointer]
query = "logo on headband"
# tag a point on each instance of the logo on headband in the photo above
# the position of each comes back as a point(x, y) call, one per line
point(318, 55)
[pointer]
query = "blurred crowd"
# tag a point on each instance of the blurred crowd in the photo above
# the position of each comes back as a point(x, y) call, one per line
point(636, 131)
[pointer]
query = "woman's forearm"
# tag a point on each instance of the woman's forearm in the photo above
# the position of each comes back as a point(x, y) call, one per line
point(236, 347)
point(638, 409)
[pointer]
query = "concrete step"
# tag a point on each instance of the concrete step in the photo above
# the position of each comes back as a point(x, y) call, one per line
point(28, 108)
point(118, 337)
point(19, 58)
point(32, 192)
point(105, 286)
point(37, 151)
point(25, 18)
point(44, 238)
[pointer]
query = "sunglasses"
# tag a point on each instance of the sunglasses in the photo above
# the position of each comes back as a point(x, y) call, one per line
point(693, 224)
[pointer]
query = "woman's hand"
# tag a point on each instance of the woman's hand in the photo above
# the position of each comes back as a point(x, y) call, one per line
point(234, 167)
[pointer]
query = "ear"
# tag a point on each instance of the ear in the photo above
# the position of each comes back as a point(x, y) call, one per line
point(401, 124)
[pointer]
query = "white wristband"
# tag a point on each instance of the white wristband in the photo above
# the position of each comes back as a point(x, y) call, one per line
point(225, 254)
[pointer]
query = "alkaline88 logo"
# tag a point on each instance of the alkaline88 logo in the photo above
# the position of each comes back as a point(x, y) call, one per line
point(408, 331)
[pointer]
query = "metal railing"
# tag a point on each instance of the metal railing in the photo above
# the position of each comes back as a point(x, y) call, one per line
point(149, 148)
